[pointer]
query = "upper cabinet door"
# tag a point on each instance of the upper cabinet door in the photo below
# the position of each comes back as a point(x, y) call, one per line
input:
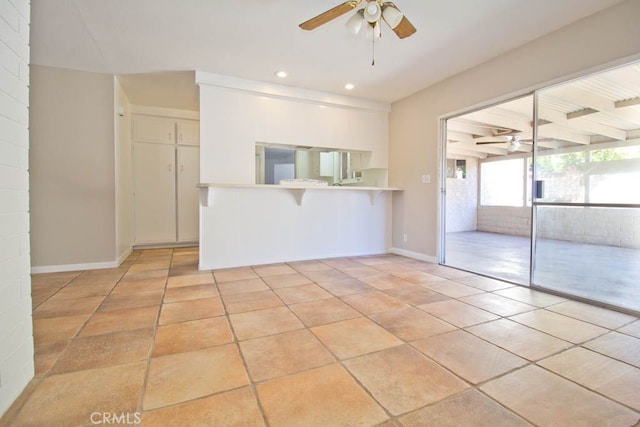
point(153, 129)
point(188, 132)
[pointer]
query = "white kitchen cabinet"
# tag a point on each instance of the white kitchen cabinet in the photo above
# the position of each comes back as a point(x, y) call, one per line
point(154, 183)
point(166, 175)
point(153, 129)
point(188, 179)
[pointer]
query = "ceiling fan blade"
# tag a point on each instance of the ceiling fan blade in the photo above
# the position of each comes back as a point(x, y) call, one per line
point(404, 28)
point(492, 142)
point(329, 15)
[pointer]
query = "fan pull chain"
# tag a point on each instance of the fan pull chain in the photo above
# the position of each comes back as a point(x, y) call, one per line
point(373, 48)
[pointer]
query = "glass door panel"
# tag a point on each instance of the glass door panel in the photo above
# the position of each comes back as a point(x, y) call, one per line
point(587, 206)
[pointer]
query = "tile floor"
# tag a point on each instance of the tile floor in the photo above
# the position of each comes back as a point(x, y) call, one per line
point(379, 340)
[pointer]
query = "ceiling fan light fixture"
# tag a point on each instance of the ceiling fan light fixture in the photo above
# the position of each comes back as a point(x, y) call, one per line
point(354, 24)
point(372, 12)
point(391, 16)
point(373, 30)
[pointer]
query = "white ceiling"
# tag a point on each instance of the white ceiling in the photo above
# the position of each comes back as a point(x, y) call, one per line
point(253, 38)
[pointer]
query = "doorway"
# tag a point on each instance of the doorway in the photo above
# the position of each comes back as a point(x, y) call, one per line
point(562, 214)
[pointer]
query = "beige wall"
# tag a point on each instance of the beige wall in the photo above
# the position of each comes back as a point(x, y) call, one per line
point(124, 179)
point(604, 38)
point(72, 167)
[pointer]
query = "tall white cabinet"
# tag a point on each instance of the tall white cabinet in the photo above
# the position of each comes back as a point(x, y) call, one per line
point(165, 175)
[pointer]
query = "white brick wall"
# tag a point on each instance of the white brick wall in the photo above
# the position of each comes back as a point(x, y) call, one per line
point(16, 334)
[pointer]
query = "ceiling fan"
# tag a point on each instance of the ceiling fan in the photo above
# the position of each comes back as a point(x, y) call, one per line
point(372, 13)
point(514, 142)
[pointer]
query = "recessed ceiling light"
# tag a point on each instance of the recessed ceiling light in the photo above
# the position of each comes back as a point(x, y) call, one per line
point(349, 86)
point(281, 74)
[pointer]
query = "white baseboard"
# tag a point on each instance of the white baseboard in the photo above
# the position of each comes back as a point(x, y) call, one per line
point(80, 267)
point(73, 267)
point(415, 255)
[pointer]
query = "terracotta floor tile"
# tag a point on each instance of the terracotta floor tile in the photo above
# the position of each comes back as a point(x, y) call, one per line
point(70, 399)
point(233, 408)
point(192, 335)
point(293, 400)
point(342, 263)
point(355, 337)
point(242, 286)
point(519, 339)
point(360, 271)
point(231, 274)
point(529, 296)
point(346, 287)
point(190, 280)
point(302, 293)
point(149, 274)
point(251, 301)
point(592, 314)
point(151, 265)
point(67, 307)
point(469, 408)
point(448, 272)
point(187, 293)
point(546, 399)
point(273, 270)
point(320, 312)
point(254, 324)
point(278, 355)
point(403, 380)
point(619, 346)
point(184, 271)
point(142, 285)
point(484, 283)
point(121, 320)
point(286, 280)
point(46, 354)
point(303, 266)
point(418, 277)
point(560, 326)
point(329, 275)
point(105, 350)
point(497, 304)
point(468, 356)
point(411, 324)
point(458, 313)
point(58, 328)
point(190, 310)
point(93, 290)
point(452, 289)
point(373, 302)
point(614, 379)
point(394, 268)
point(415, 295)
point(185, 376)
point(385, 281)
point(632, 329)
point(140, 299)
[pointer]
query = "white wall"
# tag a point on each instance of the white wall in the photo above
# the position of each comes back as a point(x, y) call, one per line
point(72, 169)
point(604, 38)
point(123, 174)
point(16, 332)
point(235, 114)
point(462, 200)
point(512, 220)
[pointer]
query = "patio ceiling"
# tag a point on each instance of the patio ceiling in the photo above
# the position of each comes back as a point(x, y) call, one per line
point(603, 108)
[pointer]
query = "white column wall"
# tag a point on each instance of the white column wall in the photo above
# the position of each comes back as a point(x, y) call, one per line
point(16, 331)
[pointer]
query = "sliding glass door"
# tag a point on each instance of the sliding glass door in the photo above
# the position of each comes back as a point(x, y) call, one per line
point(563, 213)
point(587, 212)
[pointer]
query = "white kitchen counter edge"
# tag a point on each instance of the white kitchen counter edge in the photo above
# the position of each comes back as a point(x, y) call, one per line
point(206, 193)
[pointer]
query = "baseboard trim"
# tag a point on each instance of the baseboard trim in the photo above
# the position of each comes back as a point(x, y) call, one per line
point(124, 256)
point(144, 246)
point(415, 255)
point(73, 267)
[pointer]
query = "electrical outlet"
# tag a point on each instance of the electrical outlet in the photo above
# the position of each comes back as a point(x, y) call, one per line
point(426, 179)
point(404, 238)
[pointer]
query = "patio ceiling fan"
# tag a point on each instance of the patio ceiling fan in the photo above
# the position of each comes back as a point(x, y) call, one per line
point(372, 13)
point(513, 141)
